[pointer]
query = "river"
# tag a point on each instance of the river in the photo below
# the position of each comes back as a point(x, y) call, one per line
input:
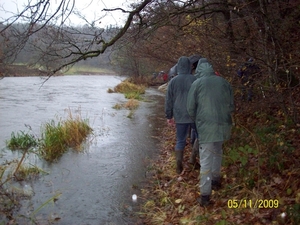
point(95, 186)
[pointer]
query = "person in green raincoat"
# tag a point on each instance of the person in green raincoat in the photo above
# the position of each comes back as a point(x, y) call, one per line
point(210, 103)
point(175, 107)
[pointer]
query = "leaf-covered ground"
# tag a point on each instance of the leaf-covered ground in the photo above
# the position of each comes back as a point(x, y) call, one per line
point(260, 175)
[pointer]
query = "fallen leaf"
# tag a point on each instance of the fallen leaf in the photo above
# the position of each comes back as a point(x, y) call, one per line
point(177, 201)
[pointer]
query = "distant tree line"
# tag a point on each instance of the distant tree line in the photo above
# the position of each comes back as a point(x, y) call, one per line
point(47, 49)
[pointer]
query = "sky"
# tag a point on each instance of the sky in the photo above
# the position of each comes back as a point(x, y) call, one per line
point(91, 9)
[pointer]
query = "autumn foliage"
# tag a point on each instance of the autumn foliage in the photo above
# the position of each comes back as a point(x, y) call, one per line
point(260, 176)
point(227, 33)
point(260, 173)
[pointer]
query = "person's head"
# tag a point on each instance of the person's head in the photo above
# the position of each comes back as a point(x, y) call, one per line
point(250, 61)
point(183, 65)
point(204, 68)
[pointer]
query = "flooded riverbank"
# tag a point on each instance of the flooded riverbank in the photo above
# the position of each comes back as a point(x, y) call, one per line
point(94, 187)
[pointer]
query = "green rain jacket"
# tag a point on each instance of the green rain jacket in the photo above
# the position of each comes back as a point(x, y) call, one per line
point(210, 104)
point(177, 92)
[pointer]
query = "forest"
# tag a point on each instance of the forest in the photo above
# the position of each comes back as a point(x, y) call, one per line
point(265, 138)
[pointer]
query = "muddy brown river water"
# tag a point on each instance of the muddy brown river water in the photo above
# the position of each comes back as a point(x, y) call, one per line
point(94, 187)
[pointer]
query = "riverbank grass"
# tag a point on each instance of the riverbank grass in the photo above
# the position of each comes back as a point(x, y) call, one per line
point(21, 140)
point(131, 104)
point(130, 90)
point(26, 172)
point(52, 145)
point(56, 137)
point(75, 132)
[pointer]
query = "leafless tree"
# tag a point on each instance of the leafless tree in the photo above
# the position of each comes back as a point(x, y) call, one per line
point(59, 44)
point(225, 31)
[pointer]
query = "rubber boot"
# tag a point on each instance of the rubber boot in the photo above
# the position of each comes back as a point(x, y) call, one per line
point(204, 200)
point(179, 158)
point(216, 184)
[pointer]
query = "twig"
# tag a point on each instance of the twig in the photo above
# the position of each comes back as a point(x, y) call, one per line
point(19, 164)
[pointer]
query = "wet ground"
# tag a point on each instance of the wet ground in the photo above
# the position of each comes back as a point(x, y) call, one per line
point(94, 187)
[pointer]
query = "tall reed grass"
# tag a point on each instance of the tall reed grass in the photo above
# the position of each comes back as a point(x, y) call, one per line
point(75, 131)
point(57, 138)
point(52, 145)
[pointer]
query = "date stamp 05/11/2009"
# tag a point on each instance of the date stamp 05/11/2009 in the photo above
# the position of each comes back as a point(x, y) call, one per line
point(248, 203)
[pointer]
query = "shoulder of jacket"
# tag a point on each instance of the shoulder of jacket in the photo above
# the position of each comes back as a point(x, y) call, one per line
point(197, 82)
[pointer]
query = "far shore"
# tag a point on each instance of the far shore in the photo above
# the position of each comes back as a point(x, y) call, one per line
point(25, 71)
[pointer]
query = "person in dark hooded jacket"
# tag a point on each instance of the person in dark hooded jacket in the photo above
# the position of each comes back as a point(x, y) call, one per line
point(210, 104)
point(175, 107)
point(247, 74)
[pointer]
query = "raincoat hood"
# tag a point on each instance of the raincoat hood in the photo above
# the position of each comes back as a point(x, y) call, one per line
point(184, 65)
point(177, 91)
point(204, 68)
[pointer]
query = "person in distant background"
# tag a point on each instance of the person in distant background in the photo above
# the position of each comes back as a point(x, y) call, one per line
point(154, 75)
point(247, 73)
point(165, 77)
point(175, 107)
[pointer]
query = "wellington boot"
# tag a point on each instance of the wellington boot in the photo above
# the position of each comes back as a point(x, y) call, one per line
point(179, 158)
point(204, 200)
point(215, 185)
